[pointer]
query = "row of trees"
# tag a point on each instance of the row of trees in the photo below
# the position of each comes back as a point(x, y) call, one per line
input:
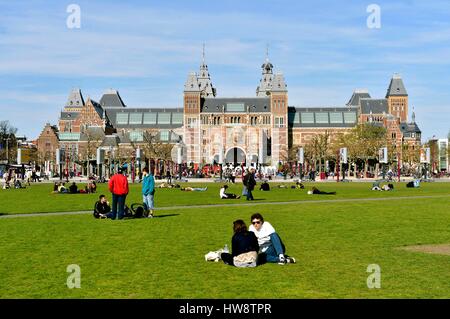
point(362, 143)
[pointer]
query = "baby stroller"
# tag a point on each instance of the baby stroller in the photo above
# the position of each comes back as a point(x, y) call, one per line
point(136, 210)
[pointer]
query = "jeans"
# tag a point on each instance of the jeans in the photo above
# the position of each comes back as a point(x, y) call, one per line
point(275, 249)
point(148, 201)
point(249, 194)
point(117, 200)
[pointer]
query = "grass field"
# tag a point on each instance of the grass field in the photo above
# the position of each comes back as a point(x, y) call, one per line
point(163, 257)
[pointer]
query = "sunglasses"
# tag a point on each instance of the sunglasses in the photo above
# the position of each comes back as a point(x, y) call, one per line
point(256, 222)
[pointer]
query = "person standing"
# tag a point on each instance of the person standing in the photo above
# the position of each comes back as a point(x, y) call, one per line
point(251, 182)
point(148, 192)
point(118, 186)
point(169, 177)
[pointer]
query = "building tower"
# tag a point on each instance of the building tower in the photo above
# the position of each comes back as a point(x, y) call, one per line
point(397, 98)
point(274, 86)
point(279, 109)
point(265, 84)
point(204, 79)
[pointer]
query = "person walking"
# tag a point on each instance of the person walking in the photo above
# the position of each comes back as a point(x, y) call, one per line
point(251, 182)
point(148, 192)
point(118, 186)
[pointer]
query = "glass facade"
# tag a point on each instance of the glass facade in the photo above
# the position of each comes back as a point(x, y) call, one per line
point(122, 118)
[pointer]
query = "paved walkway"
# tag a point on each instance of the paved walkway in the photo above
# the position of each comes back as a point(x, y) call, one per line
point(254, 203)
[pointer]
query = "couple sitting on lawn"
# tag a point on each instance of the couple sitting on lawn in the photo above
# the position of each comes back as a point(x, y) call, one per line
point(255, 246)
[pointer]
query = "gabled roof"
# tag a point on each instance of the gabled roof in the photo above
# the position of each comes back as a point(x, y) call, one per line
point(69, 115)
point(111, 98)
point(233, 105)
point(396, 87)
point(409, 128)
point(75, 99)
point(374, 106)
point(356, 96)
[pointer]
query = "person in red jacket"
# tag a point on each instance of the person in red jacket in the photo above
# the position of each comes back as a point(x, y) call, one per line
point(118, 186)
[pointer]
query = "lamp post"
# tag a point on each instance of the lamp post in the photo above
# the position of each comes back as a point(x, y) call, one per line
point(179, 159)
point(301, 159)
point(221, 162)
point(7, 150)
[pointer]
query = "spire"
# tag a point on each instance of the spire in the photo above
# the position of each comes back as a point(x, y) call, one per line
point(413, 116)
point(279, 85)
point(75, 99)
point(396, 87)
point(204, 79)
point(265, 84)
point(191, 84)
point(203, 54)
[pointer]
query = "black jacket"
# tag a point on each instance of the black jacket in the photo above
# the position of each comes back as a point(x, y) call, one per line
point(244, 242)
point(101, 208)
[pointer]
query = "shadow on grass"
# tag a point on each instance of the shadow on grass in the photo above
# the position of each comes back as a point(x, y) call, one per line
point(167, 215)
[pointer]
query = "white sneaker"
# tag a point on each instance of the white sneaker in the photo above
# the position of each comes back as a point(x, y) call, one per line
point(290, 260)
point(282, 261)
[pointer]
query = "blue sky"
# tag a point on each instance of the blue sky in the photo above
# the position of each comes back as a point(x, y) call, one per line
point(145, 49)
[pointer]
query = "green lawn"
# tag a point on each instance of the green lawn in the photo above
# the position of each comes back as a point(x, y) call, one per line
point(163, 257)
point(39, 198)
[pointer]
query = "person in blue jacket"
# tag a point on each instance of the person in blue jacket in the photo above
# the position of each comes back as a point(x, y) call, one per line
point(148, 192)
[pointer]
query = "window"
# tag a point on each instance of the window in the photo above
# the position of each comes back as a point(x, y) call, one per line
point(235, 107)
point(163, 118)
point(177, 118)
point(122, 118)
point(149, 118)
point(336, 117)
point(192, 122)
point(349, 117)
point(297, 118)
point(164, 136)
point(279, 122)
point(307, 117)
point(321, 118)
point(136, 136)
point(135, 118)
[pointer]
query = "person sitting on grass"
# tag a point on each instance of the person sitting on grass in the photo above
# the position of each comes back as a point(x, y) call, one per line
point(264, 186)
point(73, 189)
point(376, 186)
point(244, 247)
point(101, 207)
point(193, 189)
point(62, 188)
point(299, 185)
point(271, 247)
point(224, 195)
point(315, 190)
point(387, 187)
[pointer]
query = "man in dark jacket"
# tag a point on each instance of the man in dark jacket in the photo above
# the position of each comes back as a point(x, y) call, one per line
point(118, 186)
point(101, 207)
point(251, 182)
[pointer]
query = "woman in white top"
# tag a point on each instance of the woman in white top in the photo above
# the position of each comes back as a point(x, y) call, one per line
point(224, 195)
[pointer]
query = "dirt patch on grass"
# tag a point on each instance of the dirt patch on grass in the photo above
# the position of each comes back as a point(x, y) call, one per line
point(441, 249)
